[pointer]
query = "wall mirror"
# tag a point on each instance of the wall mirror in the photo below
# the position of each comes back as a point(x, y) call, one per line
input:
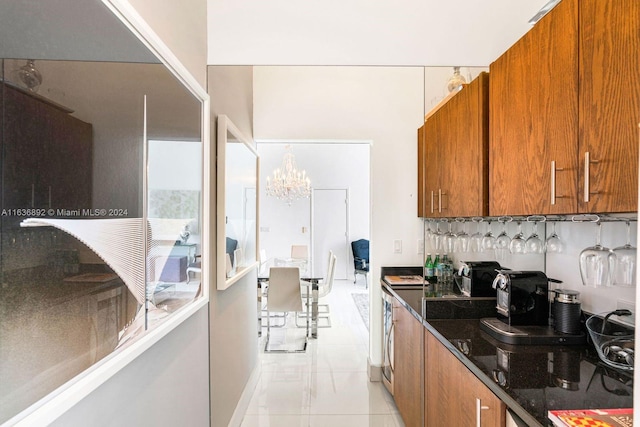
point(84, 104)
point(237, 204)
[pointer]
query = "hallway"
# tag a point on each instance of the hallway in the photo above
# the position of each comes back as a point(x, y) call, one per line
point(328, 385)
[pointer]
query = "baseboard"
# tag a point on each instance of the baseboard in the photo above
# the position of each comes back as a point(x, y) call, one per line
point(245, 398)
point(374, 371)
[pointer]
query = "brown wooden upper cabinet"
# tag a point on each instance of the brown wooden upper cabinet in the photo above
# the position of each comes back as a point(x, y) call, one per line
point(564, 109)
point(421, 170)
point(609, 104)
point(455, 154)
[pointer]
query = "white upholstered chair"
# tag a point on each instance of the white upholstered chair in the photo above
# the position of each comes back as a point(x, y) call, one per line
point(324, 287)
point(300, 252)
point(283, 295)
point(300, 257)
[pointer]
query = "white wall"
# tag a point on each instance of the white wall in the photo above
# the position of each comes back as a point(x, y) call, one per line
point(364, 32)
point(233, 335)
point(165, 386)
point(380, 104)
point(182, 26)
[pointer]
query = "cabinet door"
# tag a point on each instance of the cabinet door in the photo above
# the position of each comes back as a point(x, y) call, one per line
point(23, 149)
point(421, 174)
point(534, 119)
point(464, 148)
point(477, 402)
point(452, 391)
point(407, 390)
point(609, 105)
point(69, 169)
point(432, 166)
point(441, 399)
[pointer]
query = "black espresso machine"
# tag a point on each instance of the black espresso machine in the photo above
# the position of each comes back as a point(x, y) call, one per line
point(477, 278)
point(522, 311)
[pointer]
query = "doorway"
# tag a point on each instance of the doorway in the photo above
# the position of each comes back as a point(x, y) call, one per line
point(338, 170)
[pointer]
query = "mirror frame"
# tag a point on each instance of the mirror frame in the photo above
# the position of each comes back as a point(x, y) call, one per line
point(225, 125)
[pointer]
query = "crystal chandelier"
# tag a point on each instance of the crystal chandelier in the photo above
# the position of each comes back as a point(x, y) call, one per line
point(288, 183)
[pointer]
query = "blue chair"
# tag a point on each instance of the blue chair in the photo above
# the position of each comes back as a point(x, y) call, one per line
point(360, 250)
point(232, 245)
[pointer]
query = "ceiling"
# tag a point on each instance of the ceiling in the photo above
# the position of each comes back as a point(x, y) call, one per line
point(67, 30)
point(365, 32)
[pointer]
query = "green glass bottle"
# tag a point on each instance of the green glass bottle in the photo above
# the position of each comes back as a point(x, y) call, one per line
point(436, 273)
point(428, 268)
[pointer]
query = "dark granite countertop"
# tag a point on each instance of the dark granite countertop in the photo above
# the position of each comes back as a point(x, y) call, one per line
point(530, 379)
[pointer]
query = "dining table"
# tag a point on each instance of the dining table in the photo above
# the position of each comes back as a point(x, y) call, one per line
point(310, 281)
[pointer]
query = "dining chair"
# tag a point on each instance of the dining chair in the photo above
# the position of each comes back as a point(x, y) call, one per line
point(324, 288)
point(299, 251)
point(300, 257)
point(262, 297)
point(283, 295)
point(360, 250)
point(195, 267)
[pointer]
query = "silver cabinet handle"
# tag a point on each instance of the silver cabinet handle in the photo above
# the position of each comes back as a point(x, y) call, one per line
point(587, 164)
point(554, 169)
point(33, 195)
point(441, 194)
point(431, 201)
point(479, 409)
point(49, 197)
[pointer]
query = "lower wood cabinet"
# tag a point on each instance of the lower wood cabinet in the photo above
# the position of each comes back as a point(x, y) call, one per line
point(407, 387)
point(453, 394)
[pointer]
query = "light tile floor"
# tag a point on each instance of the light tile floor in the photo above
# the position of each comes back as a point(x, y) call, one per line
point(327, 385)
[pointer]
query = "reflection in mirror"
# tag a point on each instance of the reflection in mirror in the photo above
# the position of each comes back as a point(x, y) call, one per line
point(174, 212)
point(237, 198)
point(74, 153)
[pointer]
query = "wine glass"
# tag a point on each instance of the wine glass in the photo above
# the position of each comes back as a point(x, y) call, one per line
point(534, 244)
point(553, 243)
point(517, 244)
point(489, 240)
point(503, 239)
point(436, 238)
point(475, 242)
point(448, 240)
point(622, 263)
point(594, 263)
point(428, 232)
point(462, 240)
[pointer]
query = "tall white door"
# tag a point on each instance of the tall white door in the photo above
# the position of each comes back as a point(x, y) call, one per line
point(329, 230)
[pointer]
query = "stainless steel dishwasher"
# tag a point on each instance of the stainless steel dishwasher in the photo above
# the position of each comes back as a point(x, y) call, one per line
point(388, 326)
